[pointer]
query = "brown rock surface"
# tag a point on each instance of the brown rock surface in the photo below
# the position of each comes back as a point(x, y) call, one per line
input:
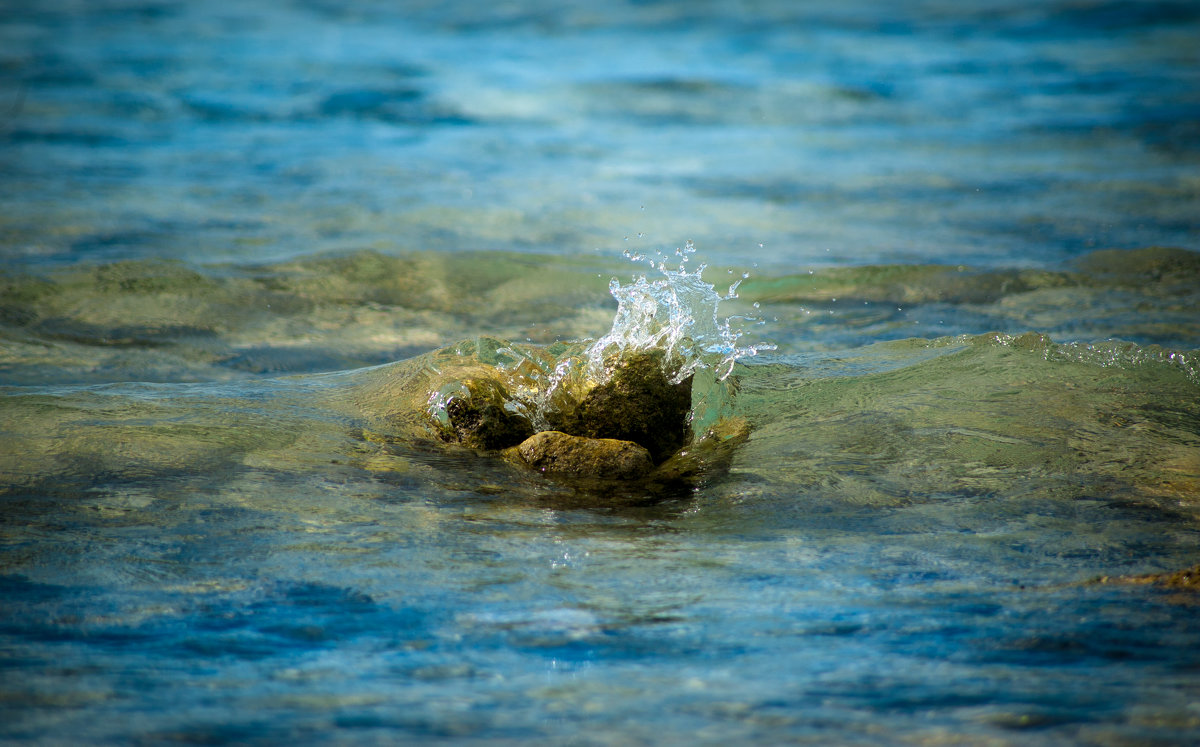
point(481, 420)
point(561, 453)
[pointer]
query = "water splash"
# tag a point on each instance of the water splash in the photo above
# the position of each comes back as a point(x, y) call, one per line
point(676, 313)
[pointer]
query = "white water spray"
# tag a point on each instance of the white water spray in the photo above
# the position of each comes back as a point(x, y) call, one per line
point(676, 313)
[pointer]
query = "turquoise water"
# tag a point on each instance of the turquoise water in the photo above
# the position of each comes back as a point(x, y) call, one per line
point(242, 245)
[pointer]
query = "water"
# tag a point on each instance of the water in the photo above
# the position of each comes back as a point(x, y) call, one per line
point(243, 245)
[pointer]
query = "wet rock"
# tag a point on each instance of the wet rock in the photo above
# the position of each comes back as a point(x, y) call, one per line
point(640, 404)
point(480, 418)
point(561, 453)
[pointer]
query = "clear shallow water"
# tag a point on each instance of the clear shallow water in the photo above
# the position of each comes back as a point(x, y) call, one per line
point(231, 237)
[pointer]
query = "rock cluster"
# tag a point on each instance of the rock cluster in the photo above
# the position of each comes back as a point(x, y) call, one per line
point(620, 430)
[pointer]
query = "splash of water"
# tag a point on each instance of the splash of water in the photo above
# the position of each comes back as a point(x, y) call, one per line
point(677, 313)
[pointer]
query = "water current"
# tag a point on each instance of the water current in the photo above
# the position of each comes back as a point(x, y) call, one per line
point(939, 258)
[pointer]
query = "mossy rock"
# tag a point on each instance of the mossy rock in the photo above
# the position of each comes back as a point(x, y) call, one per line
point(481, 419)
point(638, 403)
point(559, 453)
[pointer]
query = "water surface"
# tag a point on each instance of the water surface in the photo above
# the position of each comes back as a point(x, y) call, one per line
point(233, 239)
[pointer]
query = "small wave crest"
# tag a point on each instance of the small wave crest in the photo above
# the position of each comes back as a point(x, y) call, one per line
point(1107, 354)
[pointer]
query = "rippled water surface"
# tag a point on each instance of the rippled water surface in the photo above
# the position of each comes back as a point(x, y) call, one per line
point(242, 244)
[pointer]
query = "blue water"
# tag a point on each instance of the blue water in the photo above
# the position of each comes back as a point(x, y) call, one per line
point(983, 132)
point(231, 234)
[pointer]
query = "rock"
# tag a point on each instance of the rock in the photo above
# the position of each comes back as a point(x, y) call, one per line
point(480, 419)
point(561, 453)
point(640, 404)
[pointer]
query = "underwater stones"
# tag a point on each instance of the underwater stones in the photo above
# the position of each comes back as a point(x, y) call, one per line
point(561, 453)
point(479, 418)
point(638, 403)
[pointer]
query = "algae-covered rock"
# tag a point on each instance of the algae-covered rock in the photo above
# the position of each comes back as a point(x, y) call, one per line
point(638, 403)
point(480, 418)
point(632, 432)
point(561, 453)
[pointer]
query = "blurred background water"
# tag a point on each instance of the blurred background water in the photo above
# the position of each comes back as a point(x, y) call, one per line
point(198, 200)
point(982, 132)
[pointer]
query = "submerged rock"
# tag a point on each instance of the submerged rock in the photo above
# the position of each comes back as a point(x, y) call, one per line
point(708, 454)
point(638, 403)
point(561, 453)
point(481, 419)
